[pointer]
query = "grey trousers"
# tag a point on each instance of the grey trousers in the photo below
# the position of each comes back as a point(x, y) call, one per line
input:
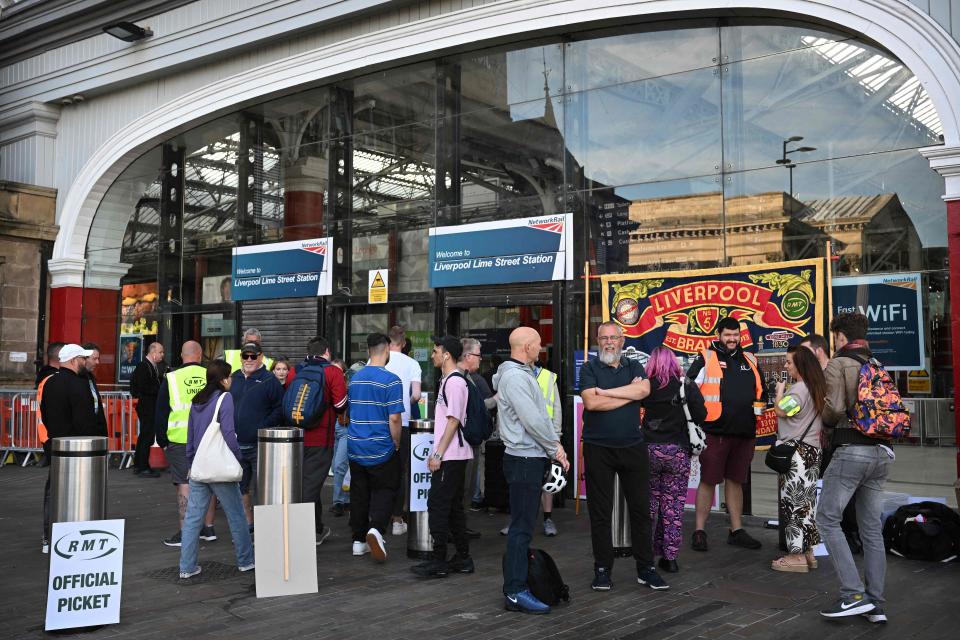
point(316, 468)
point(860, 469)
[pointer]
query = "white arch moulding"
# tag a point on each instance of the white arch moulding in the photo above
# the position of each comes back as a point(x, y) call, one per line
point(911, 35)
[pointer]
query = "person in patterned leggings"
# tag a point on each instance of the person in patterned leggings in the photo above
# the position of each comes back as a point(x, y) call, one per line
point(668, 445)
point(799, 409)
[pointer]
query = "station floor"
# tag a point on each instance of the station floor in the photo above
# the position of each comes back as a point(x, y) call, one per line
point(725, 593)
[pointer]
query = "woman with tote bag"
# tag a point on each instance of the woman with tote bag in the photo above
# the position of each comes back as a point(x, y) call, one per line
point(798, 409)
point(214, 457)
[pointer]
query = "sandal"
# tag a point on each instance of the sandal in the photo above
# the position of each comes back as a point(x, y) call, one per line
point(784, 564)
point(811, 559)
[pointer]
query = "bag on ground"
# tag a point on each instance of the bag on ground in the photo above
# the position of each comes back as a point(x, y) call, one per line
point(543, 579)
point(214, 462)
point(303, 401)
point(923, 531)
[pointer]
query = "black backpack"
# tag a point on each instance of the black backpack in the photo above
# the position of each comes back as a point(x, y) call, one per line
point(479, 424)
point(304, 401)
point(923, 531)
point(543, 579)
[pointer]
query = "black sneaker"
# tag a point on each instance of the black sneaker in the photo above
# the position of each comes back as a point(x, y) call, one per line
point(670, 566)
point(740, 538)
point(699, 540)
point(877, 616)
point(460, 564)
point(337, 510)
point(173, 541)
point(601, 579)
point(147, 473)
point(431, 569)
point(208, 534)
point(650, 577)
point(854, 606)
point(476, 506)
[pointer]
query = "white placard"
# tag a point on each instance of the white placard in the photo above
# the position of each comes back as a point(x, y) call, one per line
point(18, 356)
point(86, 573)
point(421, 444)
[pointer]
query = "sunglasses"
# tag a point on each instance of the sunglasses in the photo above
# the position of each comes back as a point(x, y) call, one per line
point(249, 356)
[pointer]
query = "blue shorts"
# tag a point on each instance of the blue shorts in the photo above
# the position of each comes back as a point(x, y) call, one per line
point(249, 465)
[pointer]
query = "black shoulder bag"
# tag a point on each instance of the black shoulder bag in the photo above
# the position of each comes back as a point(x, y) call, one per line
point(779, 455)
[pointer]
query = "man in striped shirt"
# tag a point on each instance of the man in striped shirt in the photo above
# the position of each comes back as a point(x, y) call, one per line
point(373, 438)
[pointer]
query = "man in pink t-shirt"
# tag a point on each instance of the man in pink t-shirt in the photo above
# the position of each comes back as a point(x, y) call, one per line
point(448, 464)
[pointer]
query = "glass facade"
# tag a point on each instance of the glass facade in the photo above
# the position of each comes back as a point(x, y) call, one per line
point(678, 145)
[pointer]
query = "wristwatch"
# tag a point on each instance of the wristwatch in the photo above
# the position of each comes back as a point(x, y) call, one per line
point(437, 455)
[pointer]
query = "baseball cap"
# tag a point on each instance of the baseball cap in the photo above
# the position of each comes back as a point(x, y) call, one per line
point(71, 351)
point(251, 347)
point(450, 344)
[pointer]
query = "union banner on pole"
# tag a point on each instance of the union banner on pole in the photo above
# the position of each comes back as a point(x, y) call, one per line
point(775, 304)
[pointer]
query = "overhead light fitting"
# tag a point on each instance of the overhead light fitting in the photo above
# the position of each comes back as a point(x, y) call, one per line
point(127, 31)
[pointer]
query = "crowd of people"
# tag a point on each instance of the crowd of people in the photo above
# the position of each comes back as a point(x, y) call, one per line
point(637, 430)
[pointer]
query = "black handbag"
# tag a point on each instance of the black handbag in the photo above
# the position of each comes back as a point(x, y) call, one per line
point(779, 455)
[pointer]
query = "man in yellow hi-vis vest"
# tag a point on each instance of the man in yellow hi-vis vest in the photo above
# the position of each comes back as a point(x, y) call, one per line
point(548, 387)
point(173, 412)
point(234, 359)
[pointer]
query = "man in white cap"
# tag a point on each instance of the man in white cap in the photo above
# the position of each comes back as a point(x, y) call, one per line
point(68, 409)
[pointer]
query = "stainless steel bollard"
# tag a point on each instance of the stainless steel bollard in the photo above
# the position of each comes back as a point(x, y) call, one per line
point(419, 542)
point(620, 522)
point(279, 465)
point(78, 479)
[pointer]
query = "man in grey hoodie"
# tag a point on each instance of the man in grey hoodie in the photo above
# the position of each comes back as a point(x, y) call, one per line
point(528, 436)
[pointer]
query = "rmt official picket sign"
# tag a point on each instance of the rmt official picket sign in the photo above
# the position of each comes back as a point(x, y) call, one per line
point(86, 572)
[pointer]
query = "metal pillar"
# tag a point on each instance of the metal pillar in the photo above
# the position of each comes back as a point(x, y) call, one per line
point(337, 214)
point(170, 247)
point(419, 542)
point(279, 465)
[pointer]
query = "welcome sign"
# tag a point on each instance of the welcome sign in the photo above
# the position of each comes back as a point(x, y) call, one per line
point(520, 250)
point(86, 573)
point(774, 304)
point(298, 269)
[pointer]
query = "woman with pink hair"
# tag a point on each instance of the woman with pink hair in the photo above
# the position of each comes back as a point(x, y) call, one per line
point(668, 445)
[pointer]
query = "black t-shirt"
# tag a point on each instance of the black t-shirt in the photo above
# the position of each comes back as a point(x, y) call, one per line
point(665, 421)
point(620, 427)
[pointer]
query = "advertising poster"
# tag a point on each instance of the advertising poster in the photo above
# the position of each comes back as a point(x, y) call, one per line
point(520, 250)
point(131, 354)
point(775, 304)
point(216, 290)
point(297, 269)
point(86, 574)
point(421, 444)
point(138, 308)
point(893, 304)
point(578, 471)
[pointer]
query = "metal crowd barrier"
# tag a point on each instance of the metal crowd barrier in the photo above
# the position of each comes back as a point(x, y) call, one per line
point(18, 425)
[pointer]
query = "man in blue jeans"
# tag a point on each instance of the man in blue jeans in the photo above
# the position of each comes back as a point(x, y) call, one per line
point(860, 466)
point(529, 440)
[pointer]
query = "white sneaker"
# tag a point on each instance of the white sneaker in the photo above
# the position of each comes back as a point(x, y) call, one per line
point(549, 529)
point(186, 575)
point(360, 548)
point(377, 545)
point(505, 530)
point(399, 528)
point(247, 567)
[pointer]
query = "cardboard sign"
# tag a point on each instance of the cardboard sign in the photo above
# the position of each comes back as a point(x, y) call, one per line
point(86, 574)
point(421, 444)
point(378, 290)
point(286, 549)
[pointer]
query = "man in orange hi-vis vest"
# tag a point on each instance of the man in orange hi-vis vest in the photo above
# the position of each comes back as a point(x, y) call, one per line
point(732, 388)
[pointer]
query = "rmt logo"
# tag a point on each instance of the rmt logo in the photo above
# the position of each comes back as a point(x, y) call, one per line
point(86, 544)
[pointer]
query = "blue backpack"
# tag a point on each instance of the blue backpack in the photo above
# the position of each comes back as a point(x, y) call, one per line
point(304, 402)
point(479, 424)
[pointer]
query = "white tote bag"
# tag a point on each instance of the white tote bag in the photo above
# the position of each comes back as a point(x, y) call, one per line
point(214, 461)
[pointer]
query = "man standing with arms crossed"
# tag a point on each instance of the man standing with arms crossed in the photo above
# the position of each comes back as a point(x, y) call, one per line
point(613, 446)
point(173, 413)
point(530, 441)
point(732, 388)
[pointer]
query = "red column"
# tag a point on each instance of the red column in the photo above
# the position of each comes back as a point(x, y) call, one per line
point(302, 215)
point(953, 248)
point(88, 315)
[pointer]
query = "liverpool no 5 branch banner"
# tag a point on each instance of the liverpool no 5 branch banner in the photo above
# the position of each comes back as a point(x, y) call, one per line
point(774, 304)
